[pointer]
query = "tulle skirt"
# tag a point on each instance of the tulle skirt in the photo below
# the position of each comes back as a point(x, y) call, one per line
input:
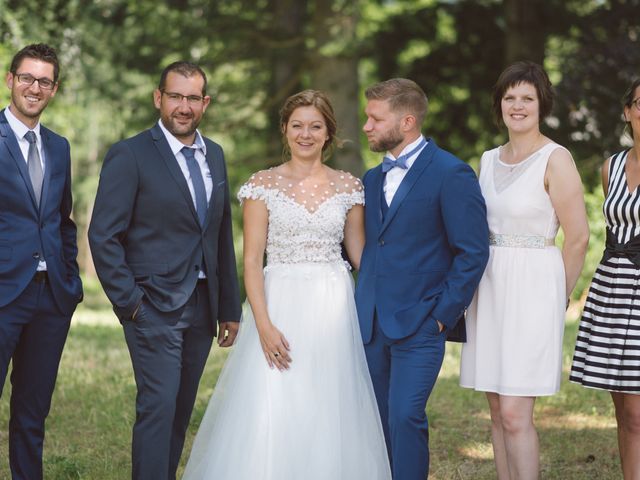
point(316, 421)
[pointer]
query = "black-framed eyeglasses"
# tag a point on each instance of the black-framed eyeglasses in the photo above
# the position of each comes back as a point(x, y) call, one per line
point(178, 97)
point(636, 103)
point(28, 79)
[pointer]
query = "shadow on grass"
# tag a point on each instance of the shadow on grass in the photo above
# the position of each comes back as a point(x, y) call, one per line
point(89, 428)
point(573, 446)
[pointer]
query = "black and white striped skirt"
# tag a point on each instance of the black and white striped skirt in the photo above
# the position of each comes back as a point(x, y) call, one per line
point(607, 353)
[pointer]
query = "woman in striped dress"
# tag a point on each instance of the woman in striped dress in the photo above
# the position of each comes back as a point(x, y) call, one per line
point(607, 354)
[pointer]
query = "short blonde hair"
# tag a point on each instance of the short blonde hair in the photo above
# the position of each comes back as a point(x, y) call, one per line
point(403, 95)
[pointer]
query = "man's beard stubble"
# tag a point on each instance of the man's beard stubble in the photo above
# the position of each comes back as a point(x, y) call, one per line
point(388, 142)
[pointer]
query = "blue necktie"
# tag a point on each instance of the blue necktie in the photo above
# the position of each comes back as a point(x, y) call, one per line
point(401, 162)
point(198, 183)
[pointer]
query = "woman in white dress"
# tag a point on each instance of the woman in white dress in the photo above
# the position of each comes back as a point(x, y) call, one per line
point(294, 400)
point(515, 323)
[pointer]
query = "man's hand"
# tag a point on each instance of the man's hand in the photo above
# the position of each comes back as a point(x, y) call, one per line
point(227, 332)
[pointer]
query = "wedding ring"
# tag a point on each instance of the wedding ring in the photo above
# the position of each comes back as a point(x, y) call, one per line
point(276, 354)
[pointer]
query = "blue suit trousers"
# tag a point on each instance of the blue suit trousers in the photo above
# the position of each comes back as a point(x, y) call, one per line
point(33, 332)
point(168, 352)
point(403, 373)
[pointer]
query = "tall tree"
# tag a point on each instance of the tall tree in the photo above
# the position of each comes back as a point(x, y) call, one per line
point(599, 59)
point(286, 49)
point(333, 65)
point(525, 31)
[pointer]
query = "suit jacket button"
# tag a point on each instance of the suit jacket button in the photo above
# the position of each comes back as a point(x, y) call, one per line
point(36, 255)
point(381, 243)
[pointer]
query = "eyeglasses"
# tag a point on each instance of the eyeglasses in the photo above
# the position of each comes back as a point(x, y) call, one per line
point(636, 103)
point(178, 97)
point(28, 79)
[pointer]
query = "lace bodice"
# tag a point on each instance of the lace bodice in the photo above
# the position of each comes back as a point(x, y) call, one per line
point(306, 220)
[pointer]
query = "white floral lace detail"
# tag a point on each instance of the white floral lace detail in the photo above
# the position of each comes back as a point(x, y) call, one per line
point(306, 223)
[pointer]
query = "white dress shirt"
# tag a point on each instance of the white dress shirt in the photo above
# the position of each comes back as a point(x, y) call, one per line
point(201, 150)
point(20, 130)
point(395, 176)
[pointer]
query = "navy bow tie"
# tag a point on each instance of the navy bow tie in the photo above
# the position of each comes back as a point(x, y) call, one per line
point(401, 162)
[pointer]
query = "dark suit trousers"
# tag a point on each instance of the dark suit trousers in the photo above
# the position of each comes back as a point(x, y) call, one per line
point(32, 335)
point(403, 374)
point(168, 352)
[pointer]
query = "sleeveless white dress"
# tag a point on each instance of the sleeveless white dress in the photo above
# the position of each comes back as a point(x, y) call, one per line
point(319, 419)
point(515, 322)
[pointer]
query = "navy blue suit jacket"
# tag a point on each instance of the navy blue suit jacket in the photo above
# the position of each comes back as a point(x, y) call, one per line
point(145, 236)
point(29, 233)
point(426, 258)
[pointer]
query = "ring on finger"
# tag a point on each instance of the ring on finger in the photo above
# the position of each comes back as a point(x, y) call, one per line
point(276, 354)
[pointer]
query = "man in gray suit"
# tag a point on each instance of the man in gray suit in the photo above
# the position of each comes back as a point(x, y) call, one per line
point(162, 245)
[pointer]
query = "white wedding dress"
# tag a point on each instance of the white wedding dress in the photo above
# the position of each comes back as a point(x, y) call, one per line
point(319, 419)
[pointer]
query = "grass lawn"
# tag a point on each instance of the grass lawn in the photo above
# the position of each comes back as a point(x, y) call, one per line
point(88, 430)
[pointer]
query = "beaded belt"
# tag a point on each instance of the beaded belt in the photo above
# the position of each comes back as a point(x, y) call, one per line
point(521, 241)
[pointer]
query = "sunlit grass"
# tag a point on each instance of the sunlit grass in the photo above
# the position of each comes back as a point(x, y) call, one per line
point(576, 427)
point(88, 431)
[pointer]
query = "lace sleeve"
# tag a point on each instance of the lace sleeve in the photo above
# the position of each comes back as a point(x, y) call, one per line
point(353, 191)
point(253, 189)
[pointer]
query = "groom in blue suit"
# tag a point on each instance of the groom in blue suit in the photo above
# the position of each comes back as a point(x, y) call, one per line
point(39, 281)
point(427, 243)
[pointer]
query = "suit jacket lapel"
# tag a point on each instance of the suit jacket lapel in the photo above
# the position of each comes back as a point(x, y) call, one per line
point(373, 200)
point(172, 164)
point(217, 178)
point(11, 143)
point(49, 160)
point(412, 176)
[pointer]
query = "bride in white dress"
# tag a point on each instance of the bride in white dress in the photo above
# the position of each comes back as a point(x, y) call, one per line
point(294, 400)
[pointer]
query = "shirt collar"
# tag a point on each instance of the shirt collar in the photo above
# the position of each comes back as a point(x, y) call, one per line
point(408, 148)
point(176, 145)
point(19, 128)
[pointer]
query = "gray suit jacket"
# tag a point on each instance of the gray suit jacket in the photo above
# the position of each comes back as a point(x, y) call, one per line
point(145, 236)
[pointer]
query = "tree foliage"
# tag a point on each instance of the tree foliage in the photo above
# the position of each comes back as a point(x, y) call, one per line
point(256, 53)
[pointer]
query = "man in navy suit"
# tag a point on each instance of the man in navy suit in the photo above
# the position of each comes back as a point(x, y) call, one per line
point(427, 243)
point(162, 245)
point(39, 281)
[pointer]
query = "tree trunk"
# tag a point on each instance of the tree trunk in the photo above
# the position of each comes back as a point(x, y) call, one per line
point(525, 34)
point(286, 60)
point(334, 70)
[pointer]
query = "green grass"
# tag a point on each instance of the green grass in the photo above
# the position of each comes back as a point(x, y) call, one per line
point(88, 430)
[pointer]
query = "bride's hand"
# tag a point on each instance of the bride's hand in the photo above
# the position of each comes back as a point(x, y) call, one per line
point(275, 347)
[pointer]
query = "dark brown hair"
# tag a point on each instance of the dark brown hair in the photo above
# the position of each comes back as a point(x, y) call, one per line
point(186, 69)
point(403, 95)
point(37, 51)
point(627, 99)
point(523, 72)
point(310, 98)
